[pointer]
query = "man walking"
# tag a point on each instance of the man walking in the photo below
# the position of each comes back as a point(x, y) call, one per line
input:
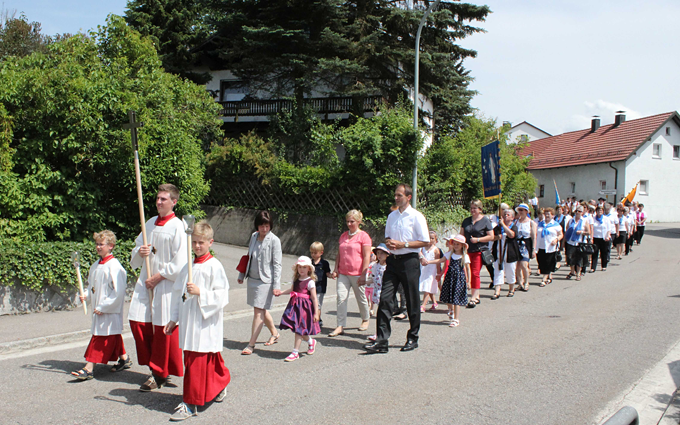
point(405, 233)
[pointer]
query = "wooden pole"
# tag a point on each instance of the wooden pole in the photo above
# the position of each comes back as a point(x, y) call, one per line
point(142, 219)
point(80, 287)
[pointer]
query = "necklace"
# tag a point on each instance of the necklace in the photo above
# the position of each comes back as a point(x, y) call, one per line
point(352, 234)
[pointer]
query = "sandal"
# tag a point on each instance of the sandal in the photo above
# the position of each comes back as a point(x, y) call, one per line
point(549, 281)
point(83, 375)
point(570, 275)
point(122, 364)
point(578, 278)
point(495, 297)
point(363, 327)
point(422, 309)
point(272, 340)
point(542, 284)
point(454, 323)
point(592, 271)
point(477, 301)
point(434, 306)
point(511, 294)
point(248, 350)
point(336, 333)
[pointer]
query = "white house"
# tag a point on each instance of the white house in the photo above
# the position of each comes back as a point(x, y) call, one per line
point(609, 161)
point(525, 132)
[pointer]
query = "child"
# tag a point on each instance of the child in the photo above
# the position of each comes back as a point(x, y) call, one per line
point(322, 270)
point(302, 312)
point(197, 308)
point(369, 282)
point(107, 281)
point(457, 279)
point(428, 272)
point(377, 271)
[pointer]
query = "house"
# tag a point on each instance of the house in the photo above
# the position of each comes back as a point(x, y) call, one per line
point(608, 161)
point(525, 132)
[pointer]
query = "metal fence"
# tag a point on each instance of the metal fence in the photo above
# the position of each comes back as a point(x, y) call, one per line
point(254, 195)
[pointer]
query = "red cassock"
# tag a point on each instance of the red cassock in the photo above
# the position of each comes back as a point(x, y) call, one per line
point(205, 375)
point(104, 349)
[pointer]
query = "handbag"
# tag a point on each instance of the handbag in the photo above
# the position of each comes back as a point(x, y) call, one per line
point(487, 257)
point(586, 248)
point(242, 264)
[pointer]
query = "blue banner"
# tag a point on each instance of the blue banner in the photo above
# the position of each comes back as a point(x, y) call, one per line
point(491, 170)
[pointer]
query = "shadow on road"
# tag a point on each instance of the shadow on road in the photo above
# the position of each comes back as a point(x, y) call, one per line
point(158, 400)
point(668, 233)
point(101, 372)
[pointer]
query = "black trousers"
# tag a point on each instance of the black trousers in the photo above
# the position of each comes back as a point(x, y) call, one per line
point(400, 301)
point(629, 242)
point(602, 247)
point(401, 270)
point(639, 233)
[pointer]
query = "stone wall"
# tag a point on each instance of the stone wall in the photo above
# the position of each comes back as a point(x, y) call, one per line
point(297, 232)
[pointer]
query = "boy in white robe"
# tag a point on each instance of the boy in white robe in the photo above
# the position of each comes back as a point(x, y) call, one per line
point(197, 308)
point(107, 281)
point(167, 252)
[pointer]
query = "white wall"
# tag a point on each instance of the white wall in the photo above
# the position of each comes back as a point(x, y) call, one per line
point(586, 178)
point(662, 201)
point(515, 133)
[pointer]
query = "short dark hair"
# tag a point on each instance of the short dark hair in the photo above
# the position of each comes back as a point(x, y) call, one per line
point(171, 189)
point(264, 217)
point(408, 191)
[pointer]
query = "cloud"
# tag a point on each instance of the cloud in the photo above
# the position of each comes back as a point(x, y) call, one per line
point(607, 110)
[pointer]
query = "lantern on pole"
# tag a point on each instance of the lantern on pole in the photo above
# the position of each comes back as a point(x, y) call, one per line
point(75, 258)
point(190, 220)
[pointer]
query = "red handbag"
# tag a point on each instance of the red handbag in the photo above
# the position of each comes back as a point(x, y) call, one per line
point(242, 264)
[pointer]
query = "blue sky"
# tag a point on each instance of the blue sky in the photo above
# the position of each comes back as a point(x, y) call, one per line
point(551, 63)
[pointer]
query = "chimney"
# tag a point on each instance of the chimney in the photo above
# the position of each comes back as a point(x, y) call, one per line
point(595, 124)
point(619, 118)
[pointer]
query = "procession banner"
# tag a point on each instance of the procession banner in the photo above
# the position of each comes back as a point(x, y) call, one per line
point(491, 170)
point(557, 194)
point(631, 195)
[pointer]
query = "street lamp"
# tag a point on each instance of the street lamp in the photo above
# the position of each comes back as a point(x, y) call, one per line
point(414, 200)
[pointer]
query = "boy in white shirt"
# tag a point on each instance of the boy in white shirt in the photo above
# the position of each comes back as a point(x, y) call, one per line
point(197, 307)
point(107, 281)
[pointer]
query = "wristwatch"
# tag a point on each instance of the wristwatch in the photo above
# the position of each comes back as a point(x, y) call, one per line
point(405, 244)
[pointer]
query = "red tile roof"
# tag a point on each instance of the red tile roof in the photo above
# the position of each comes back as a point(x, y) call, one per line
point(608, 143)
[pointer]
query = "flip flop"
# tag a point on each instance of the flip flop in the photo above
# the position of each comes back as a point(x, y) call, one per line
point(273, 340)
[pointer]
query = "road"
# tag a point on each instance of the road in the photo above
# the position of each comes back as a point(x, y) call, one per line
point(554, 355)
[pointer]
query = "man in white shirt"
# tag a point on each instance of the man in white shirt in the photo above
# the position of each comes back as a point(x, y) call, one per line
point(405, 233)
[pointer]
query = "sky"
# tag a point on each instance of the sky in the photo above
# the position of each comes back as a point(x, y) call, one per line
point(552, 63)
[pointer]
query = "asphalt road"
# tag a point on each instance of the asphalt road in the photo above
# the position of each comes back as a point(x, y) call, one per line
point(554, 355)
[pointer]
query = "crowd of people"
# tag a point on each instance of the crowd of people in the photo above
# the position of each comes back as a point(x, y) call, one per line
point(177, 303)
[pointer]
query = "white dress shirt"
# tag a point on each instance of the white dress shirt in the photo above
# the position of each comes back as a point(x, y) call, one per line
point(408, 226)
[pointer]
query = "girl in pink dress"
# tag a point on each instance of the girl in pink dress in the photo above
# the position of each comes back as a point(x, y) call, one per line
point(302, 312)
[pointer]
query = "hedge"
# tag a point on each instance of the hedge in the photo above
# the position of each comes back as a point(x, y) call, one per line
point(38, 265)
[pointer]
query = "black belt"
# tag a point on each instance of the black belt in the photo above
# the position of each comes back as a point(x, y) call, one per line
point(404, 256)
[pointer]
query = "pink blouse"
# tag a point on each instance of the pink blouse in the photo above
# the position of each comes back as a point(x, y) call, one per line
point(349, 253)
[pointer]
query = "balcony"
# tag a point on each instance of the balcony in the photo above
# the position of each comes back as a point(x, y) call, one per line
point(322, 105)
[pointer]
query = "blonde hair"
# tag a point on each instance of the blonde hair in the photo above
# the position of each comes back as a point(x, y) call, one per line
point(171, 189)
point(296, 275)
point(477, 203)
point(356, 215)
point(203, 229)
point(107, 235)
point(316, 247)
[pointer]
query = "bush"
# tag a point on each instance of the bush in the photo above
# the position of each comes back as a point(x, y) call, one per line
point(38, 265)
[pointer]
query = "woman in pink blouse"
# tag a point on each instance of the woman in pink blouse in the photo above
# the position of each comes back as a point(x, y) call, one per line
point(351, 264)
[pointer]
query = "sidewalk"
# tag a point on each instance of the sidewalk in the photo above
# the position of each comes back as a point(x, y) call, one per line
point(27, 331)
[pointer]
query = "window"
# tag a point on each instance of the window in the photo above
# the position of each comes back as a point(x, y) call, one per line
point(232, 91)
point(573, 188)
point(676, 152)
point(523, 138)
point(656, 150)
point(541, 191)
point(644, 187)
point(668, 131)
point(603, 184)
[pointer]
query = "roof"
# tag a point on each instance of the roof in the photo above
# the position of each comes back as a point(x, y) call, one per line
point(531, 125)
point(608, 143)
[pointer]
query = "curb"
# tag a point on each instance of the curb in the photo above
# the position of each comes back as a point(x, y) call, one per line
point(13, 347)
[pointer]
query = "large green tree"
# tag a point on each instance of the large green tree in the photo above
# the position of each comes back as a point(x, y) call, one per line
point(356, 48)
point(70, 170)
point(18, 37)
point(175, 27)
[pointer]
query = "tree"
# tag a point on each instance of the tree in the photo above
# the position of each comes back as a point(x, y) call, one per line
point(18, 37)
point(175, 27)
point(356, 48)
point(453, 163)
point(70, 172)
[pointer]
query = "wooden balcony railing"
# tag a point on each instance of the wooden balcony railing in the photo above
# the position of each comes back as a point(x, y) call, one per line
point(322, 105)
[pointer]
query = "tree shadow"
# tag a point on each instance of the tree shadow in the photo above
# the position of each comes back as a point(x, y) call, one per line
point(158, 401)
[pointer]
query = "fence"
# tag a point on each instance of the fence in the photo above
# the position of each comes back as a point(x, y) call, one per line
point(254, 195)
point(321, 105)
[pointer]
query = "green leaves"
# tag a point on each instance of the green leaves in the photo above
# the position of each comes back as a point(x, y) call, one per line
point(68, 167)
point(36, 265)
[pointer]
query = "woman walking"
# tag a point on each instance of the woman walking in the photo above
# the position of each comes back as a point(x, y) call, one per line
point(354, 257)
point(526, 238)
point(601, 231)
point(478, 232)
point(577, 230)
point(548, 236)
point(264, 278)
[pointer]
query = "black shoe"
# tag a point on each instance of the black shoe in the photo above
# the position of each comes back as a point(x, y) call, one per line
point(377, 347)
point(471, 304)
point(320, 323)
point(410, 345)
